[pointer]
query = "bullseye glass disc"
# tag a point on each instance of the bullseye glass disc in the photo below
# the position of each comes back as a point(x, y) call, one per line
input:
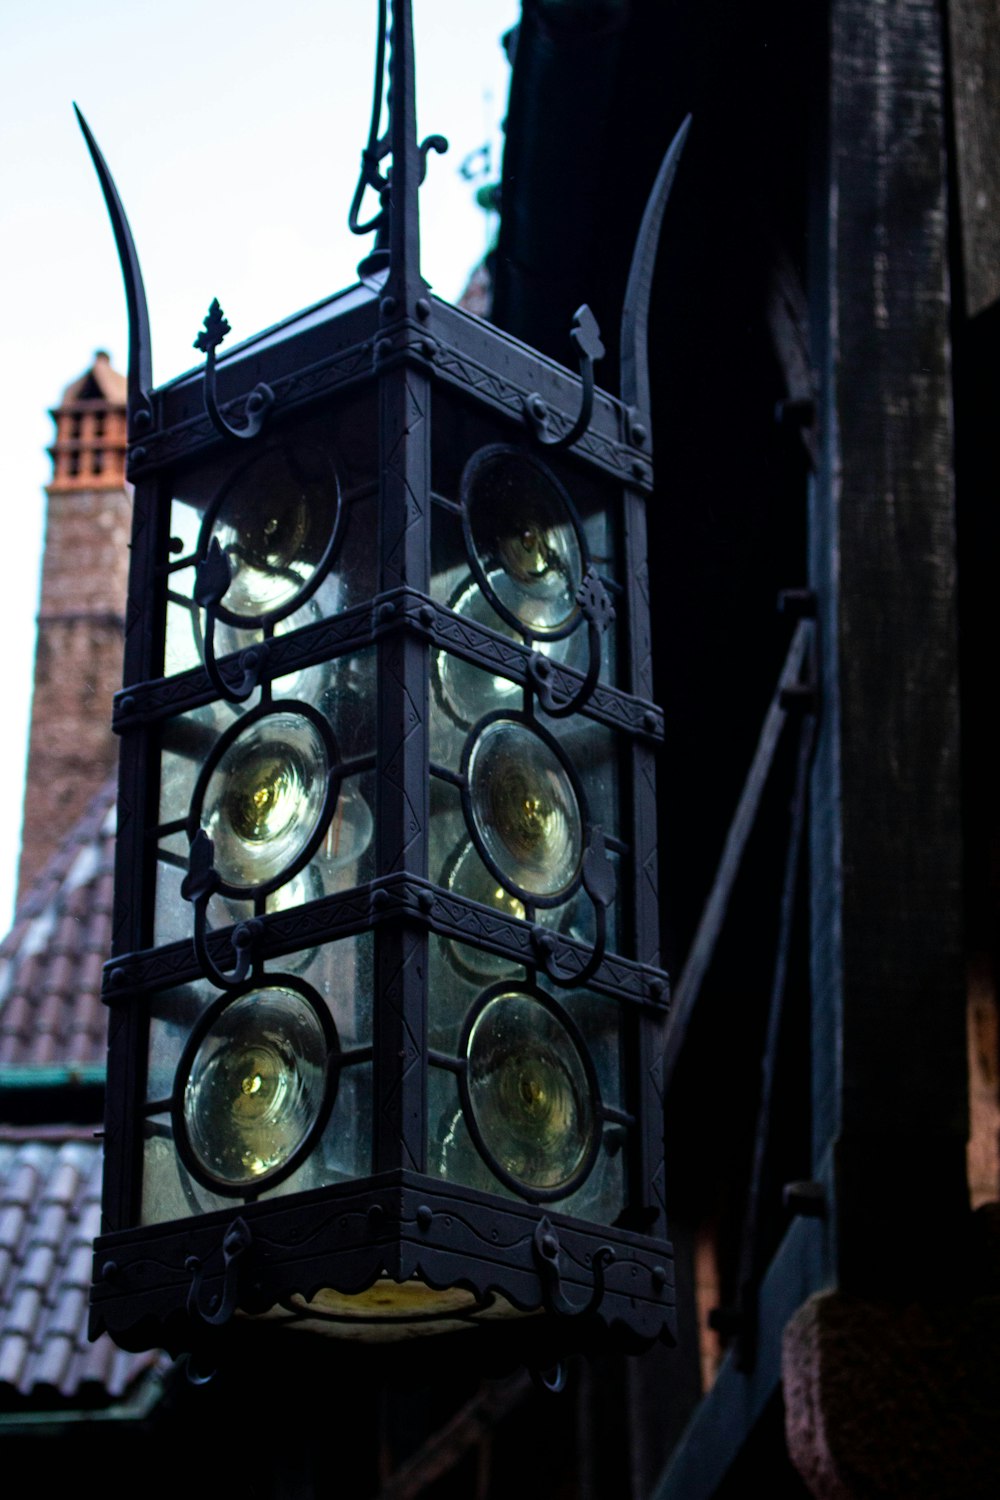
point(524, 540)
point(524, 809)
point(265, 797)
point(255, 1087)
point(275, 524)
point(529, 1093)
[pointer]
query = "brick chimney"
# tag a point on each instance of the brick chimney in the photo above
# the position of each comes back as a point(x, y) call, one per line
point(81, 617)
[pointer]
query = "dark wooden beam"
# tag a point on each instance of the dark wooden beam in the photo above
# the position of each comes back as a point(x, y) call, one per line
point(889, 1090)
point(974, 47)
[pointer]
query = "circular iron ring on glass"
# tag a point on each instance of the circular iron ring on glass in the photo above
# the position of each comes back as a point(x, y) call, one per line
point(524, 541)
point(529, 1092)
point(265, 796)
point(255, 1086)
point(277, 521)
point(525, 808)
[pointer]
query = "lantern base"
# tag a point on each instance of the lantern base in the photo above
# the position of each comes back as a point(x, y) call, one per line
point(396, 1256)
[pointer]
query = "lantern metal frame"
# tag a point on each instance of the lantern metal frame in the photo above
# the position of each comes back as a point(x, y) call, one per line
point(394, 343)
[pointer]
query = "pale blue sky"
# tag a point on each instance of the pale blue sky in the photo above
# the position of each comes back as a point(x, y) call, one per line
point(233, 132)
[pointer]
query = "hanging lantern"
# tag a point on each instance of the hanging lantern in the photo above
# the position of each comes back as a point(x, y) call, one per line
point(385, 1006)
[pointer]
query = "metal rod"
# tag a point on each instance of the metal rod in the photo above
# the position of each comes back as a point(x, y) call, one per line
point(702, 949)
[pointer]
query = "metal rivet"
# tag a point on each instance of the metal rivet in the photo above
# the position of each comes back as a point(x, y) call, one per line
point(423, 308)
point(388, 306)
point(142, 419)
point(126, 704)
point(384, 346)
point(109, 1270)
point(538, 407)
point(659, 1278)
point(387, 610)
point(425, 1216)
point(116, 978)
point(550, 1245)
point(427, 348)
point(137, 456)
point(649, 720)
point(639, 433)
point(426, 614)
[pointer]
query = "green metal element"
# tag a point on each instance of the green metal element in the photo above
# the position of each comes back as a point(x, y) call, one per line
point(135, 1408)
point(87, 1075)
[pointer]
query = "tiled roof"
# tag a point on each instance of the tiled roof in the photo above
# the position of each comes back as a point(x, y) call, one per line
point(49, 1214)
point(50, 962)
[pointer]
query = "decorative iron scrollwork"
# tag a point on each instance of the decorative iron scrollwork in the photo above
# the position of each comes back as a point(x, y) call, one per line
point(598, 879)
point(379, 147)
point(598, 611)
point(199, 885)
point(213, 576)
point(260, 399)
point(586, 337)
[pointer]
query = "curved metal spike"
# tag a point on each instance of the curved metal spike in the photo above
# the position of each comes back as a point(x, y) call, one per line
point(140, 358)
point(635, 314)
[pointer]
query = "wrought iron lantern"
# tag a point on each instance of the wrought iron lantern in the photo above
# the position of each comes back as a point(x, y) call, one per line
point(386, 1016)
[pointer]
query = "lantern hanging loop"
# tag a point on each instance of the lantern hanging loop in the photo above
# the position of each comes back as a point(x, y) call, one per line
point(378, 147)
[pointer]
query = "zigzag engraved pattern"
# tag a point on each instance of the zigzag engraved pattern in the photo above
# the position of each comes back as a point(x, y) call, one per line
point(162, 447)
point(648, 863)
point(408, 516)
point(394, 768)
point(620, 977)
point(169, 695)
point(658, 1172)
point(608, 704)
point(404, 979)
point(642, 630)
point(503, 393)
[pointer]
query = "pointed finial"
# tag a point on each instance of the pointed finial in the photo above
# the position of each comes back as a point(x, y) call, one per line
point(635, 314)
point(140, 359)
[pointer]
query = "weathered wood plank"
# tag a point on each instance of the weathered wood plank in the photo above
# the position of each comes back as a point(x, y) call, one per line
point(888, 1036)
point(974, 45)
